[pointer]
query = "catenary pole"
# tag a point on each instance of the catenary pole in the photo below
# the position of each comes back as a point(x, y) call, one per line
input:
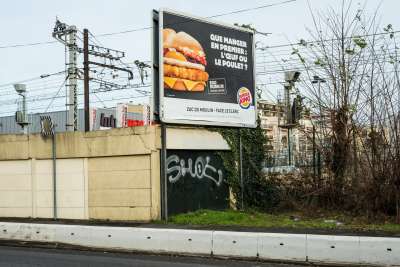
point(72, 124)
point(86, 77)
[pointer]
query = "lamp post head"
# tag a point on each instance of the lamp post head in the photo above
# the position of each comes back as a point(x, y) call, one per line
point(317, 79)
point(20, 88)
point(292, 76)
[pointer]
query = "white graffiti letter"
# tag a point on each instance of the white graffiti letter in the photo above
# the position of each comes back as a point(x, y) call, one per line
point(197, 170)
point(170, 159)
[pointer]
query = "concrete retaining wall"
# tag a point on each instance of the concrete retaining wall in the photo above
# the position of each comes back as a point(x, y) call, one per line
point(112, 175)
point(26, 188)
point(120, 187)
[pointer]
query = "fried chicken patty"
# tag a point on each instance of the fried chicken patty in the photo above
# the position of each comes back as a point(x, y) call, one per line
point(185, 73)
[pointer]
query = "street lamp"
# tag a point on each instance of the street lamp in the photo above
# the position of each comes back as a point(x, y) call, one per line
point(317, 80)
point(21, 114)
point(291, 77)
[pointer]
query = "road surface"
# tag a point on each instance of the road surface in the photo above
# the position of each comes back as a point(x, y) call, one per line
point(27, 256)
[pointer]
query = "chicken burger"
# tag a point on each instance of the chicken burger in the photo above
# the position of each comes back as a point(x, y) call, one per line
point(184, 62)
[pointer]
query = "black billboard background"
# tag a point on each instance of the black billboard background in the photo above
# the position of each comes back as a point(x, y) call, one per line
point(235, 78)
point(191, 193)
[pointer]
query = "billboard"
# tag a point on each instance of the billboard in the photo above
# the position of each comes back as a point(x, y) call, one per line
point(122, 116)
point(102, 119)
point(206, 72)
point(129, 115)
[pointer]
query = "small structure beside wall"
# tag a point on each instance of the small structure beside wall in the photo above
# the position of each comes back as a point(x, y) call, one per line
point(196, 177)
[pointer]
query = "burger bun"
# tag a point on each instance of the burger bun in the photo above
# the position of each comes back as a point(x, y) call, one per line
point(168, 34)
point(182, 39)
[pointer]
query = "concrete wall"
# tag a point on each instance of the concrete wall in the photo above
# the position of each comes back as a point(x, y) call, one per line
point(188, 138)
point(100, 175)
point(26, 188)
point(15, 188)
point(121, 187)
point(71, 188)
point(113, 174)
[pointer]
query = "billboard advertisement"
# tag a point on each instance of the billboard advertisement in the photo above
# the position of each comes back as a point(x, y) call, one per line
point(122, 116)
point(206, 72)
point(102, 119)
point(133, 115)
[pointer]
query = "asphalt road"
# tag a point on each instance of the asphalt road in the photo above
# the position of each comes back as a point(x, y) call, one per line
point(27, 256)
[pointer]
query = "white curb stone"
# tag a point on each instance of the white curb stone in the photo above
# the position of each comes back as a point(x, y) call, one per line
point(383, 251)
point(236, 244)
point(333, 249)
point(190, 241)
point(276, 246)
point(380, 251)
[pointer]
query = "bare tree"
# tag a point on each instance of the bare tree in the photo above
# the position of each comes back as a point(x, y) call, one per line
point(357, 107)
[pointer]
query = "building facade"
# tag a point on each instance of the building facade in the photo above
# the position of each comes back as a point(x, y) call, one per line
point(121, 116)
point(272, 119)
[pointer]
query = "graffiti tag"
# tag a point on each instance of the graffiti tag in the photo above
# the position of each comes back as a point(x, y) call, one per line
point(201, 169)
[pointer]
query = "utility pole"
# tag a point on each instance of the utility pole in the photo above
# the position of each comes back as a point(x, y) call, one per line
point(72, 80)
point(67, 35)
point(103, 53)
point(86, 77)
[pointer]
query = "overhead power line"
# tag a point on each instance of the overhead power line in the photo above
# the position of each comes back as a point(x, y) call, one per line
point(27, 44)
point(252, 9)
point(326, 40)
point(34, 78)
point(150, 27)
point(58, 91)
point(209, 17)
point(129, 97)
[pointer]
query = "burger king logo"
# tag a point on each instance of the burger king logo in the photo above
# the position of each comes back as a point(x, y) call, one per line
point(244, 98)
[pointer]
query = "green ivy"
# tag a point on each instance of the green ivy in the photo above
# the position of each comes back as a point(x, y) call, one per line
point(259, 192)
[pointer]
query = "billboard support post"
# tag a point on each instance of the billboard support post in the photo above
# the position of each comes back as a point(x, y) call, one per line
point(241, 168)
point(156, 114)
point(155, 104)
point(164, 179)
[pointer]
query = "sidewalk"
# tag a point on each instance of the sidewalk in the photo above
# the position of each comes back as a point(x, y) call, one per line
point(277, 246)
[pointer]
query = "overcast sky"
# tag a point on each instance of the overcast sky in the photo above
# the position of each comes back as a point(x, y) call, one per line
point(24, 21)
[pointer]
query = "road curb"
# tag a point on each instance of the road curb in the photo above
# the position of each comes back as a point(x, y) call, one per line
point(306, 248)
